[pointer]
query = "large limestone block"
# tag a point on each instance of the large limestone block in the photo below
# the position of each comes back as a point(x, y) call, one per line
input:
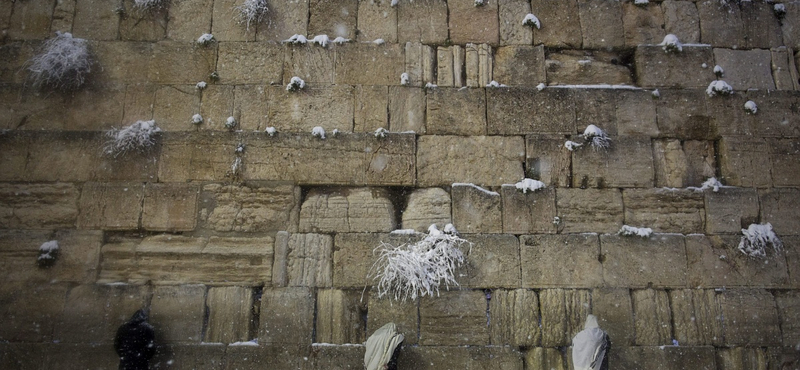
point(664, 357)
point(562, 26)
point(652, 317)
point(528, 212)
point(454, 318)
point(422, 21)
point(546, 358)
point(283, 20)
point(32, 312)
point(656, 68)
point(347, 210)
point(303, 260)
point(563, 315)
point(208, 158)
point(761, 28)
point(547, 160)
point(461, 357)
point(326, 356)
point(596, 107)
point(628, 163)
point(681, 19)
point(614, 312)
point(312, 63)
point(744, 161)
point(176, 62)
point(589, 210)
point(475, 209)
point(22, 355)
point(517, 111)
point(403, 314)
point(279, 355)
point(110, 206)
point(118, 66)
point(327, 107)
point(486, 160)
point(470, 23)
point(339, 317)
point(377, 19)
point(95, 20)
point(177, 312)
point(558, 261)
point(696, 317)
point(287, 316)
point(716, 261)
point(230, 314)
point(775, 116)
point(790, 26)
point(38, 206)
point(371, 108)
point(632, 261)
point(636, 114)
point(642, 24)
point(227, 22)
point(577, 67)
point(514, 318)
point(170, 207)
point(142, 25)
point(778, 207)
point(191, 356)
point(250, 63)
point(601, 24)
point(512, 31)
point(369, 64)
point(30, 20)
point(333, 18)
point(730, 210)
point(452, 111)
point(746, 69)
point(216, 106)
point(784, 159)
point(250, 107)
point(419, 63)
point(188, 19)
point(249, 208)
point(683, 164)
point(353, 258)
point(519, 65)
point(665, 210)
point(77, 260)
point(721, 24)
point(789, 311)
point(426, 207)
point(407, 107)
point(750, 318)
point(491, 262)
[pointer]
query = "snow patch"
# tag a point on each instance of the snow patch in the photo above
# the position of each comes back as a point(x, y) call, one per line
point(230, 122)
point(719, 87)
point(541, 86)
point(205, 39)
point(197, 119)
point(340, 40)
point(379, 41)
point(671, 44)
point(756, 238)
point(488, 192)
point(318, 132)
point(530, 20)
point(495, 84)
point(48, 252)
point(250, 343)
point(321, 40)
point(431, 85)
point(295, 84)
point(572, 146)
point(529, 185)
point(403, 232)
point(655, 94)
point(296, 39)
point(404, 79)
point(201, 85)
point(643, 232)
point(751, 107)
point(596, 137)
point(718, 71)
point(271, 131)
point(381, 132)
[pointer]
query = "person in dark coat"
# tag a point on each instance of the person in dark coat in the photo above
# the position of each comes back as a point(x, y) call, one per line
point(135, 342)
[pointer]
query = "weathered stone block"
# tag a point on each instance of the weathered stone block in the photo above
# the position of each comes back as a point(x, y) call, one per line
point(283, 356)
point(384, 310)
point(528, 212)
point(519, 65)
point(82, 356)
point(573, 67)
point(451, 357)
point(636, 114)
point(216, 106)
point(301, 111)
point(681, 19)
point(761, 28)
point(716, 261)
point(563, 315)
point(170, 207)
point(664, 357)
point(312, 63)
point(445, 70)
point(422, 21)
point(13, 56)
point(453, 111)
point(777, 114)
point(546, 358)
point(485, 160)
point(249, 208)
point(287, 316)
point(250, 107)
point(369, 64)
point(696, 317)
point(750, 318)
point(177, 312)
point(642, 24)
point(514, 318)
point(512, 31)
point(470, 23)
point(454, 318)
point(789, 311)
point(339, 317)
point(31, 312)
point(561, 25)
point(426, 207)
point(778, 207)
point(191, 356)
point(63, 16)
point(353, 257)
point(326, 356)
point(230, 312)
point(614, 312)
point(249, 62)
point(746, 69)
point(665, 210)
point(303, 260)
point(95, 20)
point(371, 108)
point(721, 24)
point(77, 259)
point(729, 210)
point(628, 163)
point(656, 68)
point(188, 19)
point(784, 158)
point(517, 111)
point(347, 210)
point(407, 109)
point(745, 358)
point(744, 161)
point(589, 210)
point(419, 63)
point(377, 20)
point(493, 261)
point(478, 61)
point(595, 107)
point(93, 313)
point(631, 261)
point(30, 20)
point(110, 206)
point(284, 19)
point(683, 164)
point(138, 103)
point(475, 209)
point(38, 206)
point(142, 25)
point(176, 62)
point(561, 261)
point(547, 160)
point(227, 23)
point(333, 18)
point(652, 318)
point(601, 24)
point(78, 111)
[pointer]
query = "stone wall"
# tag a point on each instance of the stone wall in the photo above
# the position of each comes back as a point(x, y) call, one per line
point(278, 247)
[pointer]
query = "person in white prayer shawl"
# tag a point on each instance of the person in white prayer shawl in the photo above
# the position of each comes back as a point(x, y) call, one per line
point(381, 351)
point(590, 347)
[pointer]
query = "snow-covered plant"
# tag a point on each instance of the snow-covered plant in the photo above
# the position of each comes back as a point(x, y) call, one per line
point(751, 107)
point(48, 252)
point(340, 40)
point(236, 166)
point(379, 41)
point(719, 87)
point(671, 44)
point(239, 148)
point(295, 84)
point(201, 85)
point(643, 232)
point(381, 132)
point(394, 3)
point(335, 132)
point(404, 79)
point(480, 3)
point(530, 20)
point(541, 86)
point(655, 94)
point(712, 183)
point(780, 10)
point(596, 137)
point(252, 12)
point(321, 40)
point(136, 137)
point(418, 269)
point(431, 85)
point(214, 76)
point(63, 63)
point(206, 39)
point(296, 39)
point(572, 146)
point(756, 238)
point(318, 132)
point(495, 84)
point(149, 4)
point(718, 71)
point(271, 131)
point(230, 123)
point(531, 185)
point(197, 119)
point(641, 2)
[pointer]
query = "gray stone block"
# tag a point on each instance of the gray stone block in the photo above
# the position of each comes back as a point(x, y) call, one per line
point(730, 210)
point(453, 111)
point(561, 24)
point(339, 317)
point(721, 24)
point(515, 111)
point(746, 69)
point(750, 318)
point(778, 207)
point(520, 65)
point(652, 317)
point(177, 312)
point(628, 163)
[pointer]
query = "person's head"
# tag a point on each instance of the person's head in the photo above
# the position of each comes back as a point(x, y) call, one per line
point(140, 315)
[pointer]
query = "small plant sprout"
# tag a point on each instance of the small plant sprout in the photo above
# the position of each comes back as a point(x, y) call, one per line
point(671, 44)
point(271, 131)
point(197, 119)
point(572, 146)
point(712, 183)
point(495, 84)
point(340, 40)
point(431, 85)
point(750, 107)
point(596, 137)
point(541, 86)
point(252, 12)
point(48, 252)
point(201, 85)
point(655, 94)
point(318, 132)
point(381, 132)
point(418, 269)
point(718, 71)
point(719, 87)
point(780, 10)
point(230, 123)
point(529, 185)
point(643, 232)
point(64, 62)
point(295, 84)
point(404, 79)
point(756, 238)
point(206, 39)
point(530, 20)
point(296, 39)
point(379, 41)
point(136, 137)
point(321, 40)
point(480, 3)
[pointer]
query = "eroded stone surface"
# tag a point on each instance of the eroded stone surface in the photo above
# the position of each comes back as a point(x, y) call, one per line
point(656, 68)
point(514, 318)
point(253, 208)
point(347, 210)
point(422, 21)
point(665, 210)
point(633, 261)
point(456, 112)
point(750, 317)
point(287, 316)
point(567, 261)
point(563, 314)
point(230, 310)
point(170, 207)
point(716, 261)
point(628, 163)
point(589, 210)
point(528, 212)
point(486, 160)
point(778, 206)
point(426, 207)
point(37, 206)
point(475, 209)
point(696, 316)
point(177, 312)
point(339, 317)
point(454, 318)
point(730, 210)
point(561, 26)
point(652, 318)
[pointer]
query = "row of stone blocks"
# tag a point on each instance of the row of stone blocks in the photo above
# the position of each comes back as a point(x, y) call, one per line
point(590, 24)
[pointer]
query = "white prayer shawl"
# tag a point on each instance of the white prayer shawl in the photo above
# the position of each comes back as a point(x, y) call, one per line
point(589, 346)
point(381, 346)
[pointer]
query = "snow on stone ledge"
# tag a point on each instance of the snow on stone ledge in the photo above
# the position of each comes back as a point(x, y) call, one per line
point(529, 185)
point(488, 192)
point(643, 232)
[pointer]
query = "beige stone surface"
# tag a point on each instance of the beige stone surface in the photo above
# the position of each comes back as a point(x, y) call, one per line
point(632, 261)
point(745, 358)
point(334, 357)
point(419, 63)
point(665, 210)
point(451, 357)
point(287, 316)
point(216, 106)
point(656, 68)
point(715, 261)
point(426, 207)
point(422, 21)
point(353, 258)
point(170, 207)
point(110, 206)
point(721, 24)
point(778, 206)
point(750, 318)
point(614, 312)
point(475, 209)
point(333, 18)
point(775, 116)
point(284, 19)
point(117, 66)
point(561, 24)
point(347, 210)
point(682, 20)
point(784, 159)
point(142, 25)
point(744, 162)
point(589, 210)
point(249, 208)
point(407, 107)
point(665, 357)
point(303, 260)
point(38, 206)
point(403, 314)
point(628, 163)
point(486, 160)
point(138, 103)
point(566, 261)
point(30, 20)
point(454, 318)
point(642, 24)
point(312, 63)
point(563, 314)
point(570, 67)
point(696, 317)
point(636, 114)
point(601, 24)
point(547, 160)
point(371, 108)
point(250, 63)
point(95, 20)
point(492, 261)
point(470, 23)
point(528, 212)
point(479, 61)
point(452, 111)
point(230, 311)
point(176, 312)
point(176, 62)
point(514, 318)
point(445, 73)
point(339, 317)
point(511, 29)
point(369, 64)
point(517, 111)
point(682, 164)
point(547, 358)
point(227, 23)
point(31, 312)
point(684, 114)
point(204, 355)
point(789, 309)
point(77, 258)
point(377, 19)
point(519, 65)
point(328, 107)
point(746, 69)
point(729, 210)
point(250, 107)
point(790, 28)
point(762, 29)
point(652, 318)
point(189, 19)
